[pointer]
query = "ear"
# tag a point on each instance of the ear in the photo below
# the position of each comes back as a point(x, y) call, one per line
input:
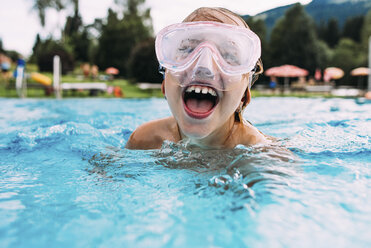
point(246, 98)
point(163, 87)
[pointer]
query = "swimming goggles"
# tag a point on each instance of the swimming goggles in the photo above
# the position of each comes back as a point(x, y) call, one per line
point(234, 49)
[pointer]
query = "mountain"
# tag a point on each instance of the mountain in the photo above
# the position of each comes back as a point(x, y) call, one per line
point(320, 10)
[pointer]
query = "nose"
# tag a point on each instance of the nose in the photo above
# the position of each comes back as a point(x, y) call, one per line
point(204, 67)
point(204, 72)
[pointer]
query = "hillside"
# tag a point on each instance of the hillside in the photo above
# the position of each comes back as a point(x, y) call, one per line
point(321, 10)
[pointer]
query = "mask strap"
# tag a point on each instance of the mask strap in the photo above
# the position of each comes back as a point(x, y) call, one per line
point(161, 70)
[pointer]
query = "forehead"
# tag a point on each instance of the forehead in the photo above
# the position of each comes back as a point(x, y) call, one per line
point(217, 16)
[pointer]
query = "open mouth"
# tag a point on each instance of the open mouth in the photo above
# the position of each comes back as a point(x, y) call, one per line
point(199, 101)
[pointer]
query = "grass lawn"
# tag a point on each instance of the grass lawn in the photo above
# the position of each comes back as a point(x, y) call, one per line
point(35, 90)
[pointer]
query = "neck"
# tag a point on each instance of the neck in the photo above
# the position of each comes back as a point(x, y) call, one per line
point(220, 138)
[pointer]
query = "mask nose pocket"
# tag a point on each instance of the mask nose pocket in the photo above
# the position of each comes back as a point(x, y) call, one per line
point(204, 66)
point(203, 72)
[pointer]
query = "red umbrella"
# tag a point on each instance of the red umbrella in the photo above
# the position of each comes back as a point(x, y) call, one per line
point(317, 74)
point(286, 71)
point(112, 71)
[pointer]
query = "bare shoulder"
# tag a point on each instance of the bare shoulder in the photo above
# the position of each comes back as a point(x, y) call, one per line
point(252, 136)
point(152, 134)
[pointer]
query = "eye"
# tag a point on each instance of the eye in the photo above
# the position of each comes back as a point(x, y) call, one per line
point(187, 46)
point(230, 58)
point(186, 49)
point(230, 53)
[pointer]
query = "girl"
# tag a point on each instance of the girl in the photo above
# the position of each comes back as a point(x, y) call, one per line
point(209, 61)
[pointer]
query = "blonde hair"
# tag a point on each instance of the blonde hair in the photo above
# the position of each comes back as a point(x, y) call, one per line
point(223, 15)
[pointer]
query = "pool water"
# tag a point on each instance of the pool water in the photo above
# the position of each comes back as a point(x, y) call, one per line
point(66, 179)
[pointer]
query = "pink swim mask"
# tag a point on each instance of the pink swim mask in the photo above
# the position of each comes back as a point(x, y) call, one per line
point(207, 51)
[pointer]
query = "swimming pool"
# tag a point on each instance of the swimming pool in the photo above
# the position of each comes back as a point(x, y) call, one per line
point(67, 181)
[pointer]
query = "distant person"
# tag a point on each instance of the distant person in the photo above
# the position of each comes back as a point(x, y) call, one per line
point(21, 63)
point(94, 72)
point(210, 62)
point(85, 69)
point(5, 64)
point(273, 83)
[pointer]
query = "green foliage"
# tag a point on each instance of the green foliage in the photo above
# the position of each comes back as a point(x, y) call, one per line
point(293, 40)
point(347, 55)
point(38, 41)
point(120, 35)
point(329, 32)
point(1, 46)
point(366, 31)
point(45, 52)
point(80, 44)
point(352, 28)
point(143, 64)
point(42, 5)
point(77, 36)
point(258, 26)
point(73, 24)
point(324, 54)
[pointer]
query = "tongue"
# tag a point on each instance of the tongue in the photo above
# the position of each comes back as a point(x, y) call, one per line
point(199, 106)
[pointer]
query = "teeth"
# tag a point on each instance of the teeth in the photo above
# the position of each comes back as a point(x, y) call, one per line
point(212, 92)
point(200, 89)
point(190, 89)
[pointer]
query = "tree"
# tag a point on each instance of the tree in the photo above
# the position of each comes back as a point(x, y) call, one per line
point(1, 46)
point(332, 34)
point(258, 26)
point(143, 64)
point(34, 49)
point(293, 40)
point(42, 5)
point(45, 52)
point(329, 32)
point(120, 35)
point(347, 55)
point(76, 35)
point(366, 31)
point(73, 23)
point(352, 28)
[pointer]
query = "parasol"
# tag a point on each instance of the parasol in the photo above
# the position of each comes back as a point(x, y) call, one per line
point(333, 73)
point(286, 71)
point(112, 71)
point(360, 71)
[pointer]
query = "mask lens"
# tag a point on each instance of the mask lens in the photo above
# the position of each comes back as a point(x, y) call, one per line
point(235, 50)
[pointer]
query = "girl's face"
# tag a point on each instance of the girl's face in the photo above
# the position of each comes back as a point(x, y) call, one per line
point(200, 109)
point(197, 97)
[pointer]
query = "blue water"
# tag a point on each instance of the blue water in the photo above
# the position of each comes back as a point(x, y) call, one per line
point(66, 179)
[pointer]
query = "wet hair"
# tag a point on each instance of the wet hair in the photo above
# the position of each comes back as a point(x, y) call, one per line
point(223, 15)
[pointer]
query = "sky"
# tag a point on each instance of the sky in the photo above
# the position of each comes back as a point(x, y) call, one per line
point(19, 24)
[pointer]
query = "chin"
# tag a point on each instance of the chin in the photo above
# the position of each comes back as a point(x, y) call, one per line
point(196, 130)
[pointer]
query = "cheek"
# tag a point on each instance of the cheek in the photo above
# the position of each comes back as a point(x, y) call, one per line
point(232, 99)
point(173, 95)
